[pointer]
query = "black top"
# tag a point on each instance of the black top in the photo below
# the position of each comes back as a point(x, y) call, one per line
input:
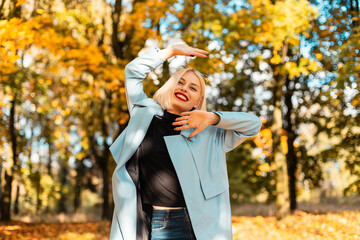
point(158, 180)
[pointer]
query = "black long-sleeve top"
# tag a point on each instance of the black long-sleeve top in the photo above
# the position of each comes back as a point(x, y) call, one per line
point(158, 180)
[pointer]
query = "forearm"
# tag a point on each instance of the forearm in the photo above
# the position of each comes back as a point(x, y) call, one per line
point(182, 50)
point(136, 71)
point(214, 118)
point(245, 123)
point(166, 53)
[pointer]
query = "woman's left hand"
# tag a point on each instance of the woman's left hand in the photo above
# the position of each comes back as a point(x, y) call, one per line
point(197, 119)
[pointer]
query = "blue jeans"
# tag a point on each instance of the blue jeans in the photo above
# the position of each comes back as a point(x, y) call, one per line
point(171, 224)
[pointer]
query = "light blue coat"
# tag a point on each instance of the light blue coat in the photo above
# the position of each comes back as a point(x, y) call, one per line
point(200, 161)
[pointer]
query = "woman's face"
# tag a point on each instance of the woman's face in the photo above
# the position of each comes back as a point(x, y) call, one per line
point(187, 93)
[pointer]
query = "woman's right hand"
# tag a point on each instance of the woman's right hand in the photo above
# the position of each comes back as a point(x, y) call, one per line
point(182, 49)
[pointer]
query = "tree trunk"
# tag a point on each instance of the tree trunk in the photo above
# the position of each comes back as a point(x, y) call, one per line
point(1, 191)
point(38, 189)
point(291, 155)
point(78, 183)
point(106, 214)
point(16, 204)
point(48, 165)
point(165, 72)
point(16, 12)
point(64, 182)
point(77, 197)
point(282, 189)
point(115, 15)
point(6, 199)
point(121, 47)
point(1, 9)
point(102, 161)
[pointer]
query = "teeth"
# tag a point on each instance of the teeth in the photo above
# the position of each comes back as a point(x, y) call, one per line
point(181, 96)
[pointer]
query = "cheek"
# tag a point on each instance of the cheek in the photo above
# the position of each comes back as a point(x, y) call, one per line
point(196, 97)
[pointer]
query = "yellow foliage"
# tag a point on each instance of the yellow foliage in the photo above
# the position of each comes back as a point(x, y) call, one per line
point(58, 120)
point(319, 56)
point(19, 2)
point(55, 103)
point(282, 21)
point(275, 59)
point(283, 143)
point(277, 45)
point(64, 81)
point(265, 167)
point(40, 11)
point(85, 143)
point(355, 102)
point(264, 140)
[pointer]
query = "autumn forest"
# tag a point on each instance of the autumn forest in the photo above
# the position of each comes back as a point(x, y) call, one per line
point(294, 63)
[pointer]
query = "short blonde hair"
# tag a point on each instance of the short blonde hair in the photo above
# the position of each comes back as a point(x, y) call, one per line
point(164, 94)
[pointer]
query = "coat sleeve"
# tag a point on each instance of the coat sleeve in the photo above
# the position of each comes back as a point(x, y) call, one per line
point(136, 71)
point(236, 127)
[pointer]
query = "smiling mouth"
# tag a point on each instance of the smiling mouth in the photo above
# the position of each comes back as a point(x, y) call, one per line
point(181, 97)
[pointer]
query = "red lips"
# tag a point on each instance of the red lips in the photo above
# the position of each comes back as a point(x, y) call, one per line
point(181, 96)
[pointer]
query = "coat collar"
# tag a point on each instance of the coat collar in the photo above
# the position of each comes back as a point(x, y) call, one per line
point(149, 102)
point(186, 133)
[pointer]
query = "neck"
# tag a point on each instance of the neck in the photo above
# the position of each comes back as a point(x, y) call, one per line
point(173, 111)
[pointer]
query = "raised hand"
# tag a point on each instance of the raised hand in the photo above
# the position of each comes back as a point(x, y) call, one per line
point(197, 119)
point(184, 50)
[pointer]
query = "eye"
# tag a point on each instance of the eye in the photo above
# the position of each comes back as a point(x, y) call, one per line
point(194, 89)
point(181, 82)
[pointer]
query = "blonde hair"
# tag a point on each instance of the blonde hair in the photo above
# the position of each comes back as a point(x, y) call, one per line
point(164, 94)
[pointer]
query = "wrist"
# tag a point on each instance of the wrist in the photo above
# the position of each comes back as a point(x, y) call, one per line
point(166, 53)
point(214, 119)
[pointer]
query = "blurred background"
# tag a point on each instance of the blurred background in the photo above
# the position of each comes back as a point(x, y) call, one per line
point(62, 103)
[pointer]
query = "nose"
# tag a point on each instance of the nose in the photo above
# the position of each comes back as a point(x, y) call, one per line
point(183, 89)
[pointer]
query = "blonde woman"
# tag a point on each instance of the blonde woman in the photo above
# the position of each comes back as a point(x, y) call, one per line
point(171, 180)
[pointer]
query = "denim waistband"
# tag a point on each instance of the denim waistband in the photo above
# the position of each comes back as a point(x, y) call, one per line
point(170, 212)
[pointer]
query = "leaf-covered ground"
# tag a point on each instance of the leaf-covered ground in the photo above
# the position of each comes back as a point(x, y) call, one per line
point(62, 231)
point(301, 226)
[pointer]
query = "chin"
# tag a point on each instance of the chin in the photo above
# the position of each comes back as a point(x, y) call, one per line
point(180, 109)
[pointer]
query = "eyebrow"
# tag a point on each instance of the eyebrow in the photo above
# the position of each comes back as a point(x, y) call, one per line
point(191, 83)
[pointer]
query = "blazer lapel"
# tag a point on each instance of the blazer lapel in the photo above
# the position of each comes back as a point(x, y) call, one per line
point(182, 159)
point(186, 133)
point(137, 128)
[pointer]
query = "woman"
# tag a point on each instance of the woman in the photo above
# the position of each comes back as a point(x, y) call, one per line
point(171, 181)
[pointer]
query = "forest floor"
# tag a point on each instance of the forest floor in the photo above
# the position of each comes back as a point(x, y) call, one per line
point(325, 221)
point(300, 226)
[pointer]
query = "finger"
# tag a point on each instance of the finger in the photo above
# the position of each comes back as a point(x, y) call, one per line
point(182, 128)
point(197, 53)
point(193, 54)
point(179, 123)
point(182, 118)
point(202, 51)
point(196, 131)
point(185, 113)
